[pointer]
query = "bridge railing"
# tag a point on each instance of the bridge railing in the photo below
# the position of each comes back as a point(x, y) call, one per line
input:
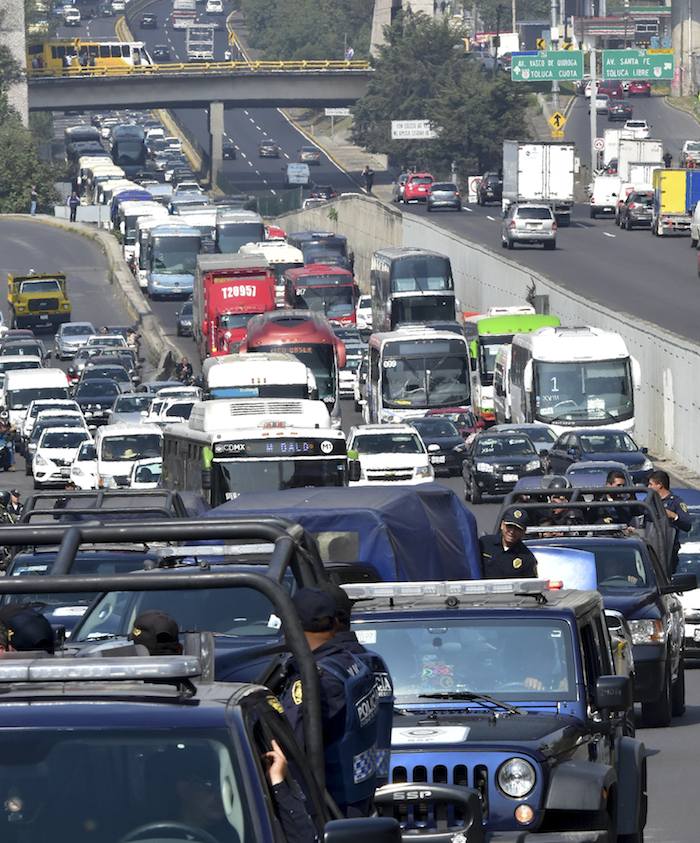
point(199, 67)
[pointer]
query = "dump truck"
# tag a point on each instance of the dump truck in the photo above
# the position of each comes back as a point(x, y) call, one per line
point(38, 301)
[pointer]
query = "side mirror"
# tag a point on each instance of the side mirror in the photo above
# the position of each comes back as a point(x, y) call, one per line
point(613, 693)
point(376, 829)
point(354, 470)
point(644, 450)
point(680, 583)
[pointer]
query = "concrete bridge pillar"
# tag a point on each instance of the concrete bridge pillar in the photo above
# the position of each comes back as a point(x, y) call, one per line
point(685, 22)
point(216, 141)
point(12, 35)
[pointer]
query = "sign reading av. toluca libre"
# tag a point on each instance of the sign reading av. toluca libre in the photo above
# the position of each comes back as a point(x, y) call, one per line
point(412, 130)
point(637, 64)
point(548, 66)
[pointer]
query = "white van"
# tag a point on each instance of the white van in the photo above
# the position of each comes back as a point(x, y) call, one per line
point(22, 386)
point(119, 446)
point(501, 384)
point(606, 190)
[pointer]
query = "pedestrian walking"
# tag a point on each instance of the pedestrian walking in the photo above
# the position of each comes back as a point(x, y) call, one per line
point(368, 176)
point(34, 200)
point(668, 159)
point(73, 203)
point(349, 54)
point(227, 55)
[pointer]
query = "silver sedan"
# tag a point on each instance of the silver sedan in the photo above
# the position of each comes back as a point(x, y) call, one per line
point(70, 337)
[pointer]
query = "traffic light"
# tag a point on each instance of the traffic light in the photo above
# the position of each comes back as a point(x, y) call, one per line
point(541, 44)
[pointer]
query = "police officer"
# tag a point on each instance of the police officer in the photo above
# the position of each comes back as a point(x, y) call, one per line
point(503, 554)
point(382, 678)
point(676, 510)
point(348, 705)
point(15, 506)
point(560, 516)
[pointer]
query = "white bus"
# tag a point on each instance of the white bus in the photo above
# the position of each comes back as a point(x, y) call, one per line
point(252, 445)
point(414, 370)
point(573, 377)
point(119, 446)
point(262, 375)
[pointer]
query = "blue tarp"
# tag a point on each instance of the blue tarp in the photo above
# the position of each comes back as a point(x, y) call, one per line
point(406, 533)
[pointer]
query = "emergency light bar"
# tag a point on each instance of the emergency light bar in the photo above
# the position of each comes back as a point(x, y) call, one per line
point(446, 588)
point(577, 528)
point(125, 669)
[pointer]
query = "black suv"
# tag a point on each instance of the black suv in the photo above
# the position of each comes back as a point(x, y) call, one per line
point(490, 189)
point(507, 690)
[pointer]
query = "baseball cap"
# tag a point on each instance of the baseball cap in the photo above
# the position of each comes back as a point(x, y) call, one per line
point(316, 609)
point(158, 633)
point(15, 492)
point(28, 630)
point(516, 517)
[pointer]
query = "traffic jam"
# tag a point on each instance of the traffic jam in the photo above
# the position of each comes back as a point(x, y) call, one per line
point(250, 591)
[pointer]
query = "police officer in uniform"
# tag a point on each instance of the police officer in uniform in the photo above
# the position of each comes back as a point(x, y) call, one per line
point(348, 705)
point(560, 516)
point(676, 509)
point(503, 554)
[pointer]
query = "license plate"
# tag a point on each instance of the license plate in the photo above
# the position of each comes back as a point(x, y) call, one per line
point(510, 478)
point(438, 460)
point(696, 633)
point(533, 225)
point(65, 472)
point(44, 316)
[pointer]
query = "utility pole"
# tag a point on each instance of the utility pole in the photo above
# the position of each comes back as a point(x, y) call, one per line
point(554, 41)
point(512, 11)
point(594, 132)
point(497, 40)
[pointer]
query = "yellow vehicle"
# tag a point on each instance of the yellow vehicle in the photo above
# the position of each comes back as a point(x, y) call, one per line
point(74, 55)
point(38, 301)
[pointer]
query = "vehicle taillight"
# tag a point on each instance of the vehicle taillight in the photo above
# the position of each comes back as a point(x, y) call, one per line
point(512, 224)
point(456, 192)
point(632, 205)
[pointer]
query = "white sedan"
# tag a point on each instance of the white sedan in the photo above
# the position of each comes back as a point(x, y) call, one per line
point(55, 452)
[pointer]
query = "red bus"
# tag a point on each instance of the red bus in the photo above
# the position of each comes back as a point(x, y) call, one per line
point(325, 289)
point(309, 337)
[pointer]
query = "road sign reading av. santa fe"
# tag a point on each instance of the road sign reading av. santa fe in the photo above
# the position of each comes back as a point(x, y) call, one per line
point(548, 66)
point(636, 64)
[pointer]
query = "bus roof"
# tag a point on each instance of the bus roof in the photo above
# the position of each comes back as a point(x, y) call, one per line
point(174, 229)
point(276, 251)
point(399, 252)
point(312, 269)
point(249, 370)
point(211, 263)
point(577, 343)
point(289, 326)
point(240, 359)
point(515, 323)
point(413, 334)
point(143, 208)
point(233, 216)
point(260, 414)
point(151, 220)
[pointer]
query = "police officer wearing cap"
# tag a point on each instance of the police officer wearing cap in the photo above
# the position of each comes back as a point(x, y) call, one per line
point(503, 554)
point(676, 509)
point(349, 705)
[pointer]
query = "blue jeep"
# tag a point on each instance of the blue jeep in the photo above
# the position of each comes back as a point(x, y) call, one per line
point(506, 689)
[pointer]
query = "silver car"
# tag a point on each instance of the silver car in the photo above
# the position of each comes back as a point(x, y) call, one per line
point(398, 186)
point(529, 224)
point(130, 407)
point(70, 337)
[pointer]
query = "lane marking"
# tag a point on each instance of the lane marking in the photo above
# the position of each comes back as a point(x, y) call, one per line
point(273, 192)
point(258, 127)
point(245, 112)
point(251, 120)
point(489, 217)
point(250, 163)
point(243, 155)
point(257, 172)
point(286, 156)
point(471, 210)
point(608, 234)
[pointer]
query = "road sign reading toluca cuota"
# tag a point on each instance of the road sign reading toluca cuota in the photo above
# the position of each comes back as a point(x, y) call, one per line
point(637, 64)
point(548, 66)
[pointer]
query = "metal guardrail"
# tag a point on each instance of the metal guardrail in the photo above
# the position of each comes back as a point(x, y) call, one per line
point(222, 67)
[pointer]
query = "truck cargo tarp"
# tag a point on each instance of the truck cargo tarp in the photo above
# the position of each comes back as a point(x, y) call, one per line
point(413, 533)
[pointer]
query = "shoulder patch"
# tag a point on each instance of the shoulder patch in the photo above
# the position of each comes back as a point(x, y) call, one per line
point(684, 506)
point(297, 693)
point(517, 562)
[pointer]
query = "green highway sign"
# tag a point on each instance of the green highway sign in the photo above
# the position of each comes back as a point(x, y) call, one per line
point(636, 64)
point(547, 66)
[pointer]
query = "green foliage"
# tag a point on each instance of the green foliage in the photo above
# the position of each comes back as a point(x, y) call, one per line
point(423, 73)
point(308, 29)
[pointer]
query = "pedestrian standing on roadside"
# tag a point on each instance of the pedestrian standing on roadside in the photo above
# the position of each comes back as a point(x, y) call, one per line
point(368, 176)
point(668, 159)
point(34, 200)
point(227, 55)
point(73, 202)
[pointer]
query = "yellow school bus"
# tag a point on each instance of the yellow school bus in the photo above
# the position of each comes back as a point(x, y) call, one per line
point(75, 55)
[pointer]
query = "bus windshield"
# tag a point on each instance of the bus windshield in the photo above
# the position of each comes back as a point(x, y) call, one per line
point(440, 379)
point(174, 255)
point(231, 236)
point(489, 346)
point(131, 446)
point(418, 310)
point(331, 301)
point(127, 151)
point(317, 357)
point(421, 273)
point(582, 390)
point(231, 478)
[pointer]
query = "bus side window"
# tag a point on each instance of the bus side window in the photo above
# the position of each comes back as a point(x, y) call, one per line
point(126, 51)
point(374, 365)
point(104, 51)
point(116, 51)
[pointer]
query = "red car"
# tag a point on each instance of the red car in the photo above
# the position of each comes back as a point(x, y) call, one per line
point(639, 89)
point(612, 89)
point(417, 187)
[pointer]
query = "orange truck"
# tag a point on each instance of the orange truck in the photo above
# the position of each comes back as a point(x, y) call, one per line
point(228, 291)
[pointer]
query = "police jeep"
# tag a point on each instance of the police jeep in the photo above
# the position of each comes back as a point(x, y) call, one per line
point(509, 717)
point(126, 747)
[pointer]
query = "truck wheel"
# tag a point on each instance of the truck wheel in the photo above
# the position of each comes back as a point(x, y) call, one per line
point(659, 713)
point(678, 691)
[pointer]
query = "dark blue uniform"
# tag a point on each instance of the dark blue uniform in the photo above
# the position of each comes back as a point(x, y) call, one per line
point(498, 562)
point(682, 523)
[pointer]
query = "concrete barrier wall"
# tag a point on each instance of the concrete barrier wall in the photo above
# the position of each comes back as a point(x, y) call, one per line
point(668, 400)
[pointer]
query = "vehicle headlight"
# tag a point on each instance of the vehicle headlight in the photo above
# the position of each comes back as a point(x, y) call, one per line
point(533, 465)
point(516, 778)
point(39, 460)
point(461, 447)
point(647, 465)
point(484, 467)
point(423, 471)
point(647, 632)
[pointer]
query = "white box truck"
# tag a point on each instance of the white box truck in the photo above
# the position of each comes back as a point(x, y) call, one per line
point(638, 151)
point(541, 173)
point(612, 139)
point(199, 42)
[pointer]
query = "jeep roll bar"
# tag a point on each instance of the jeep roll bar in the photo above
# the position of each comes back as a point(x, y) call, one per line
point(273, 591)
point(164, 501)
point(657, 529)
point(292, 546)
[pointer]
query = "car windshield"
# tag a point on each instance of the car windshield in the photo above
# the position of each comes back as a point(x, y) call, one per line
point(452, 188)
point(47, 286)
point(620, 566)
point(646, 199)
point(607, 442)
point(539, 435)
point(435, 427)
point(132, 404)
point(506, 446)
point(97, 389)
point(693, 146)
point(534, 213)
point(521, 659)
point(148, 473)
point(388, 443)
point(130, 446)
point(24, 349)
point(115, 374)
point(64, 439)
point(20, 399)
point(158, 777)
point(421, 180)
point(77, 330)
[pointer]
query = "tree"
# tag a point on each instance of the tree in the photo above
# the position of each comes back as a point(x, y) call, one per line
point(422, 72)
